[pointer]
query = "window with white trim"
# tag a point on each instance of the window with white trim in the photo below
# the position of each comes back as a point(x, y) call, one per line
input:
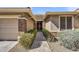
point(65, 22)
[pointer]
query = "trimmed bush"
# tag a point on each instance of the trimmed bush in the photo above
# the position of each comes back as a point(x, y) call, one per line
point(70, 39)
point(27, 39)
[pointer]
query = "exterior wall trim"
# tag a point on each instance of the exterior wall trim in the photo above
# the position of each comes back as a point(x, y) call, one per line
point(73, 23)
point(59, 23)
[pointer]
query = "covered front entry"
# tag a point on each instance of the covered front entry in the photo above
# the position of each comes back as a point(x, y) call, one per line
point(39, 25)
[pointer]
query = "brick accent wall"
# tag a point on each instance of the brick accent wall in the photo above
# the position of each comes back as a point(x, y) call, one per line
point(22, 25)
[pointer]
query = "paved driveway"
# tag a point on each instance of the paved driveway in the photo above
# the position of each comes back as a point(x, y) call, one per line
point(5, 46)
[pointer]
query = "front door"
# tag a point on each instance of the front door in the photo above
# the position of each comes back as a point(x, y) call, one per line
point(39, 25)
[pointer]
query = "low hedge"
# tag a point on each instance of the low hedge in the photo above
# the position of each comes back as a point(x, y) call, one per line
point(27, 39)
point(70, 39)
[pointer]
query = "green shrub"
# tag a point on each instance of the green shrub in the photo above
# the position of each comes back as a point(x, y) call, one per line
point(32, 31)
point(70, 39)
point(46, 33)
point(27, 39)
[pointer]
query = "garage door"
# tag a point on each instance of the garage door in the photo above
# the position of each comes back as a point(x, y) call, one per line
point(8, 29)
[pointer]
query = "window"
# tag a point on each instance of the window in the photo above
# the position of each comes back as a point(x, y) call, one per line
point(69, 22)
point(65, 23)
point(62, 23)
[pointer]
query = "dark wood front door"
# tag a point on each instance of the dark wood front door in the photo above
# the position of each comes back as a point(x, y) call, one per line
point(39, 25)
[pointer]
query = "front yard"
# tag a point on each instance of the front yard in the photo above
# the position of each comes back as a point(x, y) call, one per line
point(67, 41)
point(25, 41)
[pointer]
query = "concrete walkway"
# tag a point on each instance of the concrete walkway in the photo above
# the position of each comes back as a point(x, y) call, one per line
point(5, 46)
point(40, 44)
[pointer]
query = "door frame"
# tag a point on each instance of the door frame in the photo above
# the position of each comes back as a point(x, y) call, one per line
point(39, 25)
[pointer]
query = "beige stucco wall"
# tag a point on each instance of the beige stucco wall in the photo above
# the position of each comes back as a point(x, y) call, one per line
point(9, 16)
point(8, 29)
point(30, 24)
point(52, 23)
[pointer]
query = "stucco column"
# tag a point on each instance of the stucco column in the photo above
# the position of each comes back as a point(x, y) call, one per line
point(73, 23)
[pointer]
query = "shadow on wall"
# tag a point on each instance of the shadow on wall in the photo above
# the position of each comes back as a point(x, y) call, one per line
point(54, 26)
point(50, 25)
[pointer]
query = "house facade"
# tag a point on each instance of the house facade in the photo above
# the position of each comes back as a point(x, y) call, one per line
point(56, 22)
point(13, 21)
point(16, 20)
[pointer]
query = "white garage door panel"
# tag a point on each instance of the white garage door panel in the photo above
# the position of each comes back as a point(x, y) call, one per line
point(8, 29)
point(4, 26)
point(8, 36)
point(5, 20)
